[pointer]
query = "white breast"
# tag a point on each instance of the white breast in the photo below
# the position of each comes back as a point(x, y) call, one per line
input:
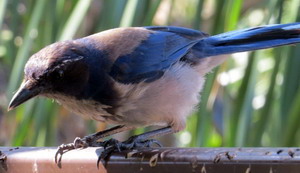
point(167, 101)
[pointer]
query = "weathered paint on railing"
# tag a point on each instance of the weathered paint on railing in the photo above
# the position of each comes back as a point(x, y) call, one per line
point(203, 160)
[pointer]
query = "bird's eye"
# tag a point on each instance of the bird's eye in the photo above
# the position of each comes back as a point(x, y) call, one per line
point(60, 73)
point(34, 76)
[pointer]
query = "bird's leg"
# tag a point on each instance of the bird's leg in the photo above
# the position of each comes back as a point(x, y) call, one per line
point(89, 141)
point(151, 134)
point(137, 141)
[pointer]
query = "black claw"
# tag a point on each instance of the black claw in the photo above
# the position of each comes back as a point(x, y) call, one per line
point(78, 143)
point(113, 145)
point(110, 142)
point(61, 150)
point(110, 146)
point(103, 158)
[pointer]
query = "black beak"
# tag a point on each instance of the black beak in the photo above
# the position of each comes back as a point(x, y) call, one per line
point(26, 91)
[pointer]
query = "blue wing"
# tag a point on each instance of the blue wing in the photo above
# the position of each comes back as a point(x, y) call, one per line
point(164, 47)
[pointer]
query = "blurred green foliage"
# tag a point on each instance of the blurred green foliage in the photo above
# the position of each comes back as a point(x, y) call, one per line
point(251, 100)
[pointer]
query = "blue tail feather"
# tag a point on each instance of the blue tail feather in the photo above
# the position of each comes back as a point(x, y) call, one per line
point(249, 39)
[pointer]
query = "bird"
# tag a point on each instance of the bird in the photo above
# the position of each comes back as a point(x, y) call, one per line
point(134, 77)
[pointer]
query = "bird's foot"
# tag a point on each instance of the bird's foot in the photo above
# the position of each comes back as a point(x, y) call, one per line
point(134, 142)
point(78, 143)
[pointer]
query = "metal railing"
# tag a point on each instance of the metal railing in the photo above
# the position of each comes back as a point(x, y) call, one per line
point(183, 160)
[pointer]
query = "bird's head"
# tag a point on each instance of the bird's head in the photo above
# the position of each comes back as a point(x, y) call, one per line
point(59, 68)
